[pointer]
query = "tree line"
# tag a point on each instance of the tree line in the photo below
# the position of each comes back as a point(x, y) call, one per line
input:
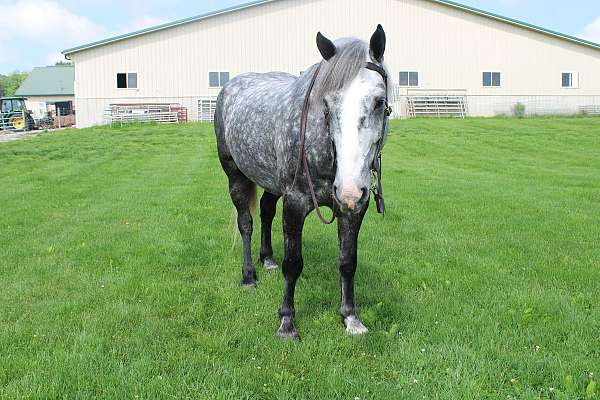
point(10, 83)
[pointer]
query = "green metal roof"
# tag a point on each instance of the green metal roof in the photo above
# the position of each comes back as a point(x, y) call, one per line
point(453, 4)
point(49, 81)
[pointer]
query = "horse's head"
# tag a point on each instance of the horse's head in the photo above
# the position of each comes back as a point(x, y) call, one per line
point(355, 106)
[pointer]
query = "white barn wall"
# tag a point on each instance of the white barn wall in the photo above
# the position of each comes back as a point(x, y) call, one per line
point(449, 47)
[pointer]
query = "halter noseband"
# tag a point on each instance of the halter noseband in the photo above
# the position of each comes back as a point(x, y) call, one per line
point(375, 166)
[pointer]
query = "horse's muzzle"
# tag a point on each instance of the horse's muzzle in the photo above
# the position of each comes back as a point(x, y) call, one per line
point(351, 200)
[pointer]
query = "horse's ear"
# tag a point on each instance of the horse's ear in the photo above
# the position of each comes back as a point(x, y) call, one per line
point(326, 46)
point(377, 45)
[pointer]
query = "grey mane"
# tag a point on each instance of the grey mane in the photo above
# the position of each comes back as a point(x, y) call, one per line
point(342, 68)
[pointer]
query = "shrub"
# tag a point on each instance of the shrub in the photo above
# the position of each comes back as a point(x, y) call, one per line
point(519, 110)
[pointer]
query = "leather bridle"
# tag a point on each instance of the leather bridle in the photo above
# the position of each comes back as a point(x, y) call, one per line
point(376, 186)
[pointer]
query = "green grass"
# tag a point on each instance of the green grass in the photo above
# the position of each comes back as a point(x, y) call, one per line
point(118, 278)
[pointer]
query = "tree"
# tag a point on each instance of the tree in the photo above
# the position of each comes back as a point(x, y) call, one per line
point(63, 63)
point(10, 83)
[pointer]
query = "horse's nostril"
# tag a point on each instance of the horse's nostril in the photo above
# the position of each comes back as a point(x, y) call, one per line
point(335, 193)
point(365, 195)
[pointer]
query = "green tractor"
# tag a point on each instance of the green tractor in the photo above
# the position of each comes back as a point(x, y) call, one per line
point(14, 115)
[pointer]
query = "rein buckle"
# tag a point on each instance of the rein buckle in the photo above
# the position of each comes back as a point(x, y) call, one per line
point(388, 110)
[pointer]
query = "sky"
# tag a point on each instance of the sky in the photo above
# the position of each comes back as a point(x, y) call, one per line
point(34, 32)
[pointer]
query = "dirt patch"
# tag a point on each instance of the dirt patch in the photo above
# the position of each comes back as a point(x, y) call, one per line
point(12, 136)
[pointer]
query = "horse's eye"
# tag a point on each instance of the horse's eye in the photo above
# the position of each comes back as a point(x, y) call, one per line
point(379, 103)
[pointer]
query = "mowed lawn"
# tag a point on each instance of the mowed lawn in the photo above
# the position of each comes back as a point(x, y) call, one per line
point(119, 277)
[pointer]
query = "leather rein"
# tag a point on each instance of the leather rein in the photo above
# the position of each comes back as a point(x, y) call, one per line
point(376, 186)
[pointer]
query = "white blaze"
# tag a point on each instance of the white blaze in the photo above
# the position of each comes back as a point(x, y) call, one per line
point(354, 143)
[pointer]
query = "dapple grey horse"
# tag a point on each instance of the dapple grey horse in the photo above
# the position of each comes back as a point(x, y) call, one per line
point(261, 141)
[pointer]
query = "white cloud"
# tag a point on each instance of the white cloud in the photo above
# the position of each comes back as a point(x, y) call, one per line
point(592, 31)
point(46, 21)
point(34, 32)
point(54, 57)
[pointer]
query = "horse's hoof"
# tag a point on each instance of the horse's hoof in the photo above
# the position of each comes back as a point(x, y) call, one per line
point(249, 283)
point(270, 264)
point(287, 330)
point(354, 327)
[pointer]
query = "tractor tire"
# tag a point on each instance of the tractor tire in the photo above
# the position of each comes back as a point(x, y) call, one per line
point(17, 123)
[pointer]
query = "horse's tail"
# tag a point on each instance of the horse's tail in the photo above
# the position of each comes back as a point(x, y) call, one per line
point(252, 205)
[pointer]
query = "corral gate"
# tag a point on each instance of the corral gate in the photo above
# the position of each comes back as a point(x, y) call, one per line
point(206, 109)
point(437, 103)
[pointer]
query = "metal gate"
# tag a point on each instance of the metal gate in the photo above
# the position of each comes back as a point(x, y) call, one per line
point(162, 113)
point(206, 109)
point(437, 103)
point(15, 121)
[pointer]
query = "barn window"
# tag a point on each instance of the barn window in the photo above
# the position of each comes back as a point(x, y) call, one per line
point(127, 80)
point(570, 80)
point(217, 79)
point(492, 79)
point(409, 78)
point(122, 81)
point(223, 78)
point(132, 81)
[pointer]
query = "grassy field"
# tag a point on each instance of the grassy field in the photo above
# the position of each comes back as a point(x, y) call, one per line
point(118, 278)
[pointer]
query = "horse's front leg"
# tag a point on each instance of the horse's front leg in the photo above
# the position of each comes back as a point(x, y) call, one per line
point(348, 229)
point(295, 210)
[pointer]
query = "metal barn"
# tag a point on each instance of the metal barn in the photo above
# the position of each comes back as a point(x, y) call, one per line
point(447, 59)
point(49, 86)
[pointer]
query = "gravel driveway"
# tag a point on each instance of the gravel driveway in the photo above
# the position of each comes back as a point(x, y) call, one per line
point(9, 137)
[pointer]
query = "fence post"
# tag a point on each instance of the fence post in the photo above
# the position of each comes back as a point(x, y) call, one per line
point(58, 116)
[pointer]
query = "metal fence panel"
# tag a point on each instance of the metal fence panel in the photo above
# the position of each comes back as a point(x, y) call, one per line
point(144, 113)
point(13, 121)
point(206, 109)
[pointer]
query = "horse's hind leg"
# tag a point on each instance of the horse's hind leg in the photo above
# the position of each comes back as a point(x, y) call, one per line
point(268, 207)
point(243, 195)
